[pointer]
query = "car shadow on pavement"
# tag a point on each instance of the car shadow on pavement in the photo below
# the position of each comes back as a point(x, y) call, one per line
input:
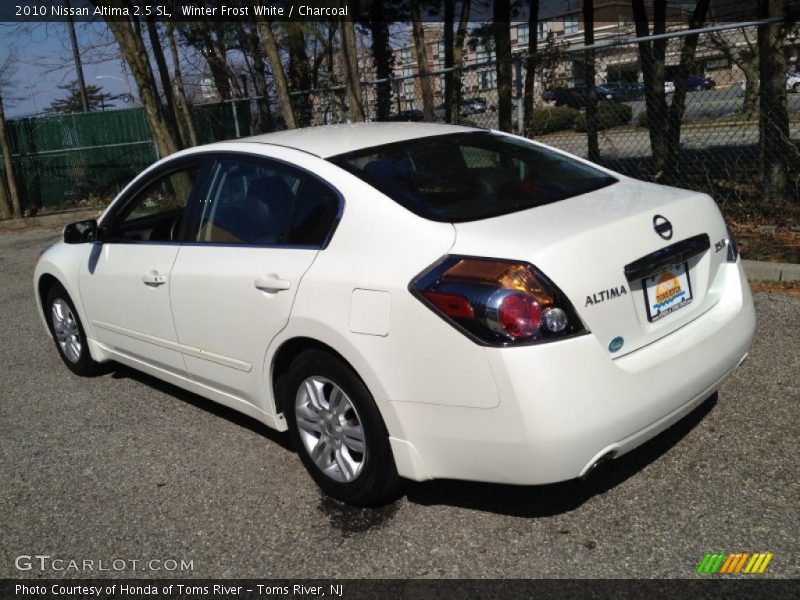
point(557, 498)
point(281, 438)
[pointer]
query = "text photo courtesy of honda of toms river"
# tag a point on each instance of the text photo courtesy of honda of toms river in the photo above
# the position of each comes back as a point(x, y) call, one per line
point(410, 300)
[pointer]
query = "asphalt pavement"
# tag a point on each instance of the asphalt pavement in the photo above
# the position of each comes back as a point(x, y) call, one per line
point(123, 467)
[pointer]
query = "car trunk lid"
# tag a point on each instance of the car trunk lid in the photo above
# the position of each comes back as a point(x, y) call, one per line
point(607, 248)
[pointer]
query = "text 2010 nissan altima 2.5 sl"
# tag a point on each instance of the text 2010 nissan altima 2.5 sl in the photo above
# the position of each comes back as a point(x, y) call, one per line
point(410, 300)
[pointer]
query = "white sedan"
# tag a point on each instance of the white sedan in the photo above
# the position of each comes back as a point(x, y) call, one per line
point(410, 300)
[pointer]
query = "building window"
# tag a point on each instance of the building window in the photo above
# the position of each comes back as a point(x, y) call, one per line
point(488, 79)
point(718, 63)
point(408, 91)
point(408, 71)
point(482, 54)
point(439, 52)
point(569, 72)
point(570, 24)
point(522, 34)
point(405, 56)
point(544, 28)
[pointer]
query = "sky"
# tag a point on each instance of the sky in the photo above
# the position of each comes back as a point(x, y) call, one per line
point(44, 61)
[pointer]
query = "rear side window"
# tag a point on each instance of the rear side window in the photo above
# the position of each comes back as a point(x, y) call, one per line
point(470, 176)
point(265, 203)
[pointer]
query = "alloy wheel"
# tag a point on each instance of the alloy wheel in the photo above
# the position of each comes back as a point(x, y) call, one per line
point(330, 429)
point(65, 328)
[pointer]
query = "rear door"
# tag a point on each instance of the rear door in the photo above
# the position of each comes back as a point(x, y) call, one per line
point(256, 230)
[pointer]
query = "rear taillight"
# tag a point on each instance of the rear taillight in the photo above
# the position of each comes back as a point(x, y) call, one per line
point(497, 302)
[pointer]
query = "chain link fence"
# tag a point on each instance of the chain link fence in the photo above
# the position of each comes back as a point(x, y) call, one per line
point(68, 159)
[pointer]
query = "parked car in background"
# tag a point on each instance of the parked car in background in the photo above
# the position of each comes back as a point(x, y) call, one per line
point(669, 87)
point(411, 114)
point(793, 81)
point(410, 300)
point(468, 106)
point(575, 97)
point(625, 90)
point(698, 83)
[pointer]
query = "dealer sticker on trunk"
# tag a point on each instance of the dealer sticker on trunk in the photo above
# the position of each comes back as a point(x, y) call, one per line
point(667, 291)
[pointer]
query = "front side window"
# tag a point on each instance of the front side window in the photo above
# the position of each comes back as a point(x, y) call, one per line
point(254, 202)
point(155, 213)
point(470, 176)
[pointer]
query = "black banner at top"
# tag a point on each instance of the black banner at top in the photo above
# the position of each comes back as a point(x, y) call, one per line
point(19, 11)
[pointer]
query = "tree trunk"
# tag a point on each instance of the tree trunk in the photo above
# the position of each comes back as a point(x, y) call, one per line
point(299, 72)
point(450, 105)
point(422, 61)
point(264, 113)
point(588, 79)
point(775, 148)
point(651, 57)
point(171, 108)
point(458, 57)
point(352, 80)
point(135, 54)
point(678, 106)
point(747, 61)
point(383, 58)
point(11, 180)
point(530, 66)
point(502, 47)
point(182, 109)
point(281, 88)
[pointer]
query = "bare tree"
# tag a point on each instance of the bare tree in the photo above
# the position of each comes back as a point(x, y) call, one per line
point(502, 46)
point(744, 56)
point(182, 109)
point(775, 147)
point(299, 71)
point(10, 178)
point(352, 79)
point(422, 60)
point(133, 50)
point(382, 58)
point(458, 57)
point(588, 79)
point(279, 77)
point(663, 120)
point(531, 65)
point(10, 204)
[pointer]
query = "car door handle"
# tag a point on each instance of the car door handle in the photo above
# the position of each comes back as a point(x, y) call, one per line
point(272, 284)
point(154, 278)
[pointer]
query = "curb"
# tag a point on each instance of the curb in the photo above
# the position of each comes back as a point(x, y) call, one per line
point(767, 271)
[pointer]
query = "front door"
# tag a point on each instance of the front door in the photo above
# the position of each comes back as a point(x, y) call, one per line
point(125, 285)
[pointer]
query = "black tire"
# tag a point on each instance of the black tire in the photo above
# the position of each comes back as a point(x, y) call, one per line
point(377, 481)
point(82, 362)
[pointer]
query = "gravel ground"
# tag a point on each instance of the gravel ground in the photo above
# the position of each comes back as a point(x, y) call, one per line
point(122, 466)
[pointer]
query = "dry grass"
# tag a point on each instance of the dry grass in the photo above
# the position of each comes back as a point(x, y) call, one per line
point(790, 288)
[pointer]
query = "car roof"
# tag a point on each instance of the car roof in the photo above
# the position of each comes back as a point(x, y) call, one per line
point(329, 140)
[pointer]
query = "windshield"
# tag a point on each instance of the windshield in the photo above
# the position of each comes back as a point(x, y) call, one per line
point(470, 176)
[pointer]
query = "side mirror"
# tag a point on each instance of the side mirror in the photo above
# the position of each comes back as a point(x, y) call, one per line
point(81, 232)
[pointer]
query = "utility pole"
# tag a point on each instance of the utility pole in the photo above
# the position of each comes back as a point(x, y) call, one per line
point(77, 58)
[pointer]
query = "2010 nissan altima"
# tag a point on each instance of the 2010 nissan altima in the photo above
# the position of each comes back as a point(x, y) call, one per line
point(410, 300)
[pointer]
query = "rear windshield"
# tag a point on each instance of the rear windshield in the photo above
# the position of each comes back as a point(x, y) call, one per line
point(470, 176)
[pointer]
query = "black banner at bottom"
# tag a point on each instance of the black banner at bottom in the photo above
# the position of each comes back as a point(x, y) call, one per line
point(440, 589)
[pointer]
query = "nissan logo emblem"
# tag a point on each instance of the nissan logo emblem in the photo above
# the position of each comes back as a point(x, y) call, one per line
point(662, 227)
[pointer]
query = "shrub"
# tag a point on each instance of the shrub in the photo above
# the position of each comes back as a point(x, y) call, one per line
point(609, 114)
point(556, 118)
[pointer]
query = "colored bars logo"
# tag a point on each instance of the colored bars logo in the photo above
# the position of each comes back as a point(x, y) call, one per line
point(735, 563)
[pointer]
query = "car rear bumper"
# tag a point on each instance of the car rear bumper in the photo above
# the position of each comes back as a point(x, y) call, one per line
point(565, 405)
